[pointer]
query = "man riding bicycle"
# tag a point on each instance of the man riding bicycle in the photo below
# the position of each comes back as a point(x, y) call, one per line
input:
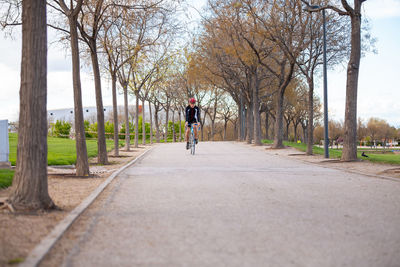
point(192, 117)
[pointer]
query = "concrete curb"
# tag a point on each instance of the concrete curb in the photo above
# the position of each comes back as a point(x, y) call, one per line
point(38, 253)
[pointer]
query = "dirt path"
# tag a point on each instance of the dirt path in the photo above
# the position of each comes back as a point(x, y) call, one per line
point(19, 233)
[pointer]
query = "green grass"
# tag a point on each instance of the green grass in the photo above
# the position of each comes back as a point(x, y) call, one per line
point(61, 151)
point(16, 261)
point(379, 157)
point(6, 177)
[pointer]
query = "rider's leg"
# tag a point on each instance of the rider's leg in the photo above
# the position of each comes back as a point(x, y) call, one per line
point(187, 134)
point(195, 132)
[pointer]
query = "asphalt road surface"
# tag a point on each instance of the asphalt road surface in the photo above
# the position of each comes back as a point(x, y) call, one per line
point(236, 205)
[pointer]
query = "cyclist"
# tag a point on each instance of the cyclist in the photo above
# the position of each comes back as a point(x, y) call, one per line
point(192, 116)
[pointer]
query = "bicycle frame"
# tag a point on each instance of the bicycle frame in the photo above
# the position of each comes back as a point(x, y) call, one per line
point(192, 143)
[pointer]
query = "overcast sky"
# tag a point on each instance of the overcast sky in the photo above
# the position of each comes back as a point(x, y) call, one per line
point(378, 92)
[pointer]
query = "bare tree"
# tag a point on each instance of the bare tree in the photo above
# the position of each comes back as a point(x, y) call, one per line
point(350, 123)
point(310, 58)
point(30, 189)
point(72, 12)
point(89, 25)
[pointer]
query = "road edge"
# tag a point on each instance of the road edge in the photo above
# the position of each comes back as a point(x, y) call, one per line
point(46, 244)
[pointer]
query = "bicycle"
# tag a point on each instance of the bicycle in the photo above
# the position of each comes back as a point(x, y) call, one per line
point(192, 142)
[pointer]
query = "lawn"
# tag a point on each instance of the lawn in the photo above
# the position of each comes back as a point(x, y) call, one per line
point(387, 157)
point(61, 151)
point(6, 178)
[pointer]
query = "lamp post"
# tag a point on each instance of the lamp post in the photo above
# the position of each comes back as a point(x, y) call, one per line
point(314, 8)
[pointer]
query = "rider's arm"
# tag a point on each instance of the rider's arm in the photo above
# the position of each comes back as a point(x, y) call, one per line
point(187, 114)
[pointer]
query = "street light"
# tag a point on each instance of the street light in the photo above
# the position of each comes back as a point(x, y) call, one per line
point(314, 8)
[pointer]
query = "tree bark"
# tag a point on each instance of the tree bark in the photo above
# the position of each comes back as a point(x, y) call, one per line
point(180, 125)
point(143, 124)
point(115, 114)
point(173, 126)
point(151, 124)
point(278, 132)
point(82, 163)
point(127, 128)
point(266, 124)
point(166, 123)
point(30, 189)
point(225, 126)
point(250, 123)
point(137, 120)
point(256, 112)
point(310, 126)
point(157, 125)
point(350, 124)
point(101, 138)
point(240, 121)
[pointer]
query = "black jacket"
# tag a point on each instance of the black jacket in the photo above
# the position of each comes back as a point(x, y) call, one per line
point(192, 115)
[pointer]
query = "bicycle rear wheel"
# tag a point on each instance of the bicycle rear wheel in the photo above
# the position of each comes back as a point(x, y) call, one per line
point(193, 144)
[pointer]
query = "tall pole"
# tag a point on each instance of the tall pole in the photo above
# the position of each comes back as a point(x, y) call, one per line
point(326, 135)
point(241, 116)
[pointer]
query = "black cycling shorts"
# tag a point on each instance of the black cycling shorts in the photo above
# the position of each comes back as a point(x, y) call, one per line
point(190, 123)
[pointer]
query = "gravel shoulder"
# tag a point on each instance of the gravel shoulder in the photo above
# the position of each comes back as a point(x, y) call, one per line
point(20, 233)
point(365, 167)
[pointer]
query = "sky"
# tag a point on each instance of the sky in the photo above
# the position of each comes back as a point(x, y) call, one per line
point(378, 91)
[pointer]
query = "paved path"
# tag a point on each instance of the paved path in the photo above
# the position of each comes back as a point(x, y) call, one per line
point(237, 205)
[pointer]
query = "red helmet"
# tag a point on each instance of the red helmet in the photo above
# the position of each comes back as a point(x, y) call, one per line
point(192, 101)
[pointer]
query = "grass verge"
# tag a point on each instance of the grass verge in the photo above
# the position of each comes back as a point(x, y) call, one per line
point(6, 178)
point(387, 157)
point(61, 151)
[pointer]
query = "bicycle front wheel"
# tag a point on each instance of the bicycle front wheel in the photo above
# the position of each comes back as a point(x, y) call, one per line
point(193, 146)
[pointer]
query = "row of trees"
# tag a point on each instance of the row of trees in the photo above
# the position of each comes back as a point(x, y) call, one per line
point(250, 57)
point(130, 40)
point(264, 52)
point(372, 132)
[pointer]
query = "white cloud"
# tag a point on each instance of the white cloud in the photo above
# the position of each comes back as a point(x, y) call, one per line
point(378, 9)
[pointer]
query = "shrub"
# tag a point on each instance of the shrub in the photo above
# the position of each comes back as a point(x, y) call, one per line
point(109, 129)
point(87, 129)
point(61, 129)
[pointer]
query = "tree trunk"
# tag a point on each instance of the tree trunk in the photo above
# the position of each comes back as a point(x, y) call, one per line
point(266, 124)
point(115, 114)
point(157, 125)
point(137, 120)
point(180, 125)
point(350, 123)
point(286, 135)
point(310, 128)
point(278, 132)
point(127, 128)
point(82, 163)
point(250, 123)
point(236, 131)
point(143, 124)
point(256, 113)
point(212, 129)
point(203, 122)
point(173, 126)
point(166, 124)
point(151, 124)
point(102, 157)
point(225, 126)
point(240, 121)
point(30, 189)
